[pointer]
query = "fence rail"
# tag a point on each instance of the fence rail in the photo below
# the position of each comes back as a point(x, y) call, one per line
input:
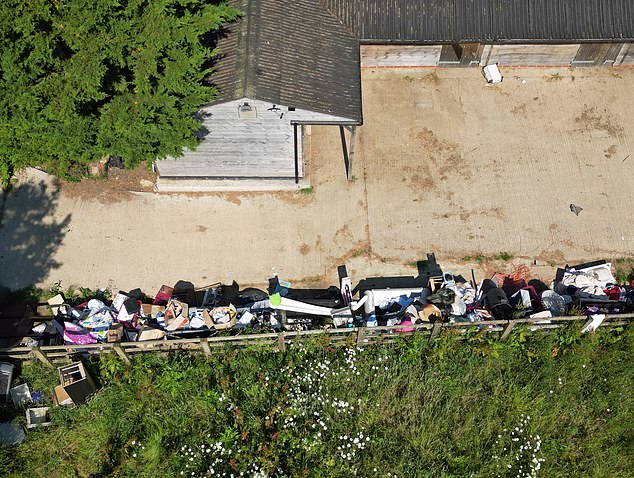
point(279, 341)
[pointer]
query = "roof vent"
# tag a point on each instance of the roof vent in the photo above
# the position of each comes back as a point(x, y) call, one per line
point(246, 111)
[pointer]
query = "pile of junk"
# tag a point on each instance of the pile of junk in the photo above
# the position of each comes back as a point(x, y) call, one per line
point(183, 311)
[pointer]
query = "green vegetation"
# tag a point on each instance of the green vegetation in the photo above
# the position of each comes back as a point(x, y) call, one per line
point(479, 257)
point(34, 295)
point(307, 191)
point(623, 269)
point(81, 80)
point(553, 404)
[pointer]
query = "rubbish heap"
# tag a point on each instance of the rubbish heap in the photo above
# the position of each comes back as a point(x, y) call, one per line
point(76, 387)
point(184, 311)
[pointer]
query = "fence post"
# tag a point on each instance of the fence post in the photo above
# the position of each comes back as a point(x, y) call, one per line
point(360, 336)
point(204, 344)
point(435, 331)
point(507, 330)
point(121, 353)
point(41, 356)
point(281, 344)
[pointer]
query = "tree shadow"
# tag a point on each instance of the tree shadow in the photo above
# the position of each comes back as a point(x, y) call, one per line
point(29, 234)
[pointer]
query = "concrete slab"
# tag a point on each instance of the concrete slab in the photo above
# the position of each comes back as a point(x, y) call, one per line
point(166, 185)
point(489, 168)
point(443, 163)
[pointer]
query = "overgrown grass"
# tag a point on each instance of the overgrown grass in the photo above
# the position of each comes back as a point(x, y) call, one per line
point(479, 257)
point(623, 269)
point(73, 295)
point(447, 409)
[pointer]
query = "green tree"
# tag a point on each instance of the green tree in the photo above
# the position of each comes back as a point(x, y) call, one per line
point(82, 79)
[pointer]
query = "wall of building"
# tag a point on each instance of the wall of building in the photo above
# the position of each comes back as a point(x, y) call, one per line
point(626, 55)
point(519, 55)
point(400, 55)
point(474, 54)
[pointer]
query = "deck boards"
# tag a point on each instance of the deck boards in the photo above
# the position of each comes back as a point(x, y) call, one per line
point(239, 148)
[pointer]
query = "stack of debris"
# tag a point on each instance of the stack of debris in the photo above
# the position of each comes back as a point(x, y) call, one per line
point(76, 386)
point(184, 311)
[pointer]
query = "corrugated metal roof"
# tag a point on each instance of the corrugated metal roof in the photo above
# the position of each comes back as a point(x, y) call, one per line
point(437, 21)
point(293, 54)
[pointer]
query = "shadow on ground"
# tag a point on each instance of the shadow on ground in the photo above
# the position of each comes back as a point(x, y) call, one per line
point(29, 234)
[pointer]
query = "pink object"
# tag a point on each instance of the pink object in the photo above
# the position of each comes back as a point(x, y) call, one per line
point(75, 334)
point(406, 321)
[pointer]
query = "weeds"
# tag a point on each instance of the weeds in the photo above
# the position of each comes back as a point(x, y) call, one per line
point(623, 269)
point(479, 257)
point(458, 407)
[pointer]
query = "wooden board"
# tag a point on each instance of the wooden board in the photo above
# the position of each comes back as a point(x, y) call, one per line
point(628, 54)
point(531, 55)
point(400, 55)
point(261, 146)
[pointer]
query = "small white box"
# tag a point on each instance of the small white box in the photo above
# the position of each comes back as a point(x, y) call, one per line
point(492, 73)
point(38, 417)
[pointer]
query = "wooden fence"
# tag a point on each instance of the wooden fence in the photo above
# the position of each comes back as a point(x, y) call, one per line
point(279, 341)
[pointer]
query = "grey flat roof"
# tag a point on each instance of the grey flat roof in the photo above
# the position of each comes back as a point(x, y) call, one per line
point(445, 21)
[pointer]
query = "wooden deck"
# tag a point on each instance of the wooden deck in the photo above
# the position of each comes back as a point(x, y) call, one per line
point(233, 147)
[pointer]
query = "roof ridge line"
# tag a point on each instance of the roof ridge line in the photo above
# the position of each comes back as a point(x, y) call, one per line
point(349, 30)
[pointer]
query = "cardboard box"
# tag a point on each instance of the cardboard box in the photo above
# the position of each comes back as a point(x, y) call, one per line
point(115, 333)
point(176, 314)
point(149, 333)
point(157, 309)
point(76, 382)
point(152, 310)
point(55, 302)
point(60, 397)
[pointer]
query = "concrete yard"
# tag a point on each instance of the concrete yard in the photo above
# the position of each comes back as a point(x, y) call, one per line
point(443, 163)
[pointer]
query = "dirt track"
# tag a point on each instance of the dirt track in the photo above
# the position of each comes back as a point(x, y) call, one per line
point(443, 163)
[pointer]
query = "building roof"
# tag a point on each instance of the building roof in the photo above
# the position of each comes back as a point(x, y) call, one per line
point(305, 53)
point(453, 21)
point(292, 54)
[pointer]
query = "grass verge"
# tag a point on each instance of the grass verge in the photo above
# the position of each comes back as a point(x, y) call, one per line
point(541, 404)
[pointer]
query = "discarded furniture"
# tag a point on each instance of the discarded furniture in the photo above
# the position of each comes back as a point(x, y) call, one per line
point(38, 417)
point(60, 397)
point(77, 383)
